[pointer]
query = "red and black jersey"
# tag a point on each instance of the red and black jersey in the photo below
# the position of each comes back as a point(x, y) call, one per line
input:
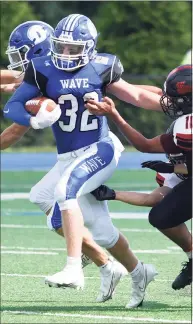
point(180, 141)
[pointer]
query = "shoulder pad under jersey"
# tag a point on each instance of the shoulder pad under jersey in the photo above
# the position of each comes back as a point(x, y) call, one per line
point(108, 67)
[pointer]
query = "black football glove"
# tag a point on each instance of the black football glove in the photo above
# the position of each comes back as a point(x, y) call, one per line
point(159, 166)
point(103, 193)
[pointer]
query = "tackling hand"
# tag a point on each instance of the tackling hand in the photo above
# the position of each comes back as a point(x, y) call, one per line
point(158, 166)
point(45, 118)
point(104, 193)
point(106, 107)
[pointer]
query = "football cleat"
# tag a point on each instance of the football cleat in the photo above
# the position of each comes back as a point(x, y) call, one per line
point(139, 288)
point(85, 260)
point(185, 277)
point(69, 277)
point(110, 279)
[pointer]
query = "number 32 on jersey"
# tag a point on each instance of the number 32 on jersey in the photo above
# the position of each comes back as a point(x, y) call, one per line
point(85, 125)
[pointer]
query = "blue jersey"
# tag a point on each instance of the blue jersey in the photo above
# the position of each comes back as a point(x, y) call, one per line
point(76, 127)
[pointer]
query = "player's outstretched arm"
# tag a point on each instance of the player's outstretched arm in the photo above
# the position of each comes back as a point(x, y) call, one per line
point(140, 142)
point(8, 77)
point(153, 89)
point(12, 135)
point(133, 198)
point(142, 199)
point(136, 95)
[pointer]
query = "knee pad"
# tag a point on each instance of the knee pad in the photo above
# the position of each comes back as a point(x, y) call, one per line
point(98, 221)
point(54, 220)
point(106, 238)
point(40, 198)
point(33, 195)
point(60, 190)
point(65, 193)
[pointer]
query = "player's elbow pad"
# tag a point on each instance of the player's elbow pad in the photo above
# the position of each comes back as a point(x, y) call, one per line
point(17, 113)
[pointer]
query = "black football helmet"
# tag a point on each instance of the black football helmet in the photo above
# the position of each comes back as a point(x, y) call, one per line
point(177, 94)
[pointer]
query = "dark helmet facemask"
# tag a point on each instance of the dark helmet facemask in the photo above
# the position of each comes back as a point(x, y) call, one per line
point(176, 107)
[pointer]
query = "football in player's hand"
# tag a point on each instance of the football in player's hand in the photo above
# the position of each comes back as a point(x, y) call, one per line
point(34, 105)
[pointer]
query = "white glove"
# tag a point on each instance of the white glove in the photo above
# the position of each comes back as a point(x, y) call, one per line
point(45, 118)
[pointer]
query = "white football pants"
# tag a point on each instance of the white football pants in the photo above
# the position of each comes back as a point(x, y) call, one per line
point(70, 182)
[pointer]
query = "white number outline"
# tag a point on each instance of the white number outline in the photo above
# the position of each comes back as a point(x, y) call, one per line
point(72, 113)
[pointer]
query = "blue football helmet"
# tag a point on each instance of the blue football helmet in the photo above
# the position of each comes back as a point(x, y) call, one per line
point(73, 43)
point(27, 41)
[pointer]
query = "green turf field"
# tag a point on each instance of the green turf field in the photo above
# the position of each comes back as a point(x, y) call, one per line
point(30, 251)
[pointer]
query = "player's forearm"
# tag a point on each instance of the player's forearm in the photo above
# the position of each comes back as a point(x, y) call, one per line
point(12, 135)
point(148, 100)
point(150, 88)
point(7, 77)
point(15, 107)
point(142, 199)
point(140, 142)
point(15, 111)
point(134, 198)
point(134, 95)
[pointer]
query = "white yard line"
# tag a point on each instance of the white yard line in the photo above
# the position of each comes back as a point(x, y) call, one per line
point(28, 252)
point(173, 248)
point(156, 252)
point(45, 250)
point(143, 230)
point(129, 215)
point(31, 248)
point(121, 318)
point(42, 276)
point(22, 275)
point(25, 195)
point(35, 276)
point(169, 249)
point(14, 195)
point(22, 226)
point(124, 215)
point(140, 230)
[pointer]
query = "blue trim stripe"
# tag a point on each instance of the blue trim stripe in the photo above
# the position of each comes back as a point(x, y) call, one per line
point(78, 177)
point(80, 173)
point(70, 23)
point(56, 218)
point(71, 28)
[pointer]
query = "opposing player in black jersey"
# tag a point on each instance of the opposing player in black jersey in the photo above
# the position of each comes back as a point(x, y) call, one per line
point(170, 214)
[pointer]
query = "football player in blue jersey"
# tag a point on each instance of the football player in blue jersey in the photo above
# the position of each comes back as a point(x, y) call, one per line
point(87, 152)
point(20, 43)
